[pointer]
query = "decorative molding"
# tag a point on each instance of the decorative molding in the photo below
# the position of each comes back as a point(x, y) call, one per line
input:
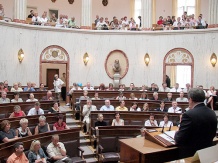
point(53, 1)
point(109, 63)
point(105, 2)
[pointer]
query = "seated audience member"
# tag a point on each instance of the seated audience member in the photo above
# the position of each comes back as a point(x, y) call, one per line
point(121, 96)
point(18, 156)
point(145, 107)
point(23, 130)
point(60, 124)
point(131, 87)
point(117, 121)
point(33, 85)
point(121, 107)
point(142, 132)
point(6, 85)
point(36, 153)
point(155, 97)
point(121, 87)
point(132, 25)
point(125, 22)
point(212, 97)
point(101, 87)
point(4, 98)
point(169, 97)
point(2, 87)
point(106, 21)
point(88, 87)
point(48, 97)
point(178, 23)
point(41, 87)
point(85, 96)
point(97, 19)
point(56, 150)
point(144, 96)
point(31, 98)
point(151, 121)
point(36, 110)
point(86, 113)
point(132, 97)
point(7, 134)
point(44, 19)
point(162, 107)
point(17, 112)
point(115, 24)
point(174, 108)
point(107, 106)
point(188, 87)
point(164, 88)
point(160, 21)
point(96, 96)
point(166, 122)
point(110, 87)
point(28, 88)
point(100, 121)
point(176, 88)
point(153, 88)
point(53, 18)
point(169, 20)
point(16, 97)
point(55, 108)
point(72, 23)
point(200, 23)
point(36, 19)
point(69, 94)
point(144, 88)
point(31, 14)
point(19, 85)
point(15, 88)
point(42, 127)
point(181, 98)
point(134, 107)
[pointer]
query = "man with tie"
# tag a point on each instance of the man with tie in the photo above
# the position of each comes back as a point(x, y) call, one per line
point(36, 110)
point(164, 88)
point(174, 108)
point(4, 98)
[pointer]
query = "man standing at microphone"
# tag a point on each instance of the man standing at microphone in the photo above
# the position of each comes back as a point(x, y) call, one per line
point(57, 85)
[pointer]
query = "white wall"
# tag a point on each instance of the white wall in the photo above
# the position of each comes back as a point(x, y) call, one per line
point(98, 44)
point(8, 7)
point(205, 9)
point(164, 8)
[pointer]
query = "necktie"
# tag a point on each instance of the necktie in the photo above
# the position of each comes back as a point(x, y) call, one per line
point(37, 112)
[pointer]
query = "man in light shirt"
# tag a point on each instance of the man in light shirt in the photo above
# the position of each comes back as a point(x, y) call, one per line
point(107, 106)
point(176, 88)
point(164, 88)
point(57, 85)
point(181, 98)
point(4, 98)
point(88, 87)
point(174, 108)
point(36, 110)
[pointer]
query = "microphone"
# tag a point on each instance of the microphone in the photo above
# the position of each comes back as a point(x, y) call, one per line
point(170, 126)
point(162, 129)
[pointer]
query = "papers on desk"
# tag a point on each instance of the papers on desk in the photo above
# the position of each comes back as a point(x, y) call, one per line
point(170, 134)
point(167, 138)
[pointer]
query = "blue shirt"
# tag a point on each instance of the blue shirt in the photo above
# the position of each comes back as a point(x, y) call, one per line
point(32, 156)
point(30, 90)
point(105, 108)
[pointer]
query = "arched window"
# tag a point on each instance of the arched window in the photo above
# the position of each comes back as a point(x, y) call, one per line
point(138, 7)
point(186, 5)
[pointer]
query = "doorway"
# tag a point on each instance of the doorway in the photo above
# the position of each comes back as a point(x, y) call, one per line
point(50, 77)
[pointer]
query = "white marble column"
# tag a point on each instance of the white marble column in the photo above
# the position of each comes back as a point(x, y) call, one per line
point(213, 12)
point(147, 13)
point(20, 7)
point(86, 22)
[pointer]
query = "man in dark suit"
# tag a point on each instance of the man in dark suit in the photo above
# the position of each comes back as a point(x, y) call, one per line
point(198, 126)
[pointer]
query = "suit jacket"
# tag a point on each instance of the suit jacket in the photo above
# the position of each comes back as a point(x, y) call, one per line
point(7, 100)
point(197, 130)
point(165, 109)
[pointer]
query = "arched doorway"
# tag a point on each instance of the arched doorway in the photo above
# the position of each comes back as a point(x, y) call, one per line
point(54, 59)
point(178, 64)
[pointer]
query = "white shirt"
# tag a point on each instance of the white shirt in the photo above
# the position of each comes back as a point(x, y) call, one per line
point(176, 90)
point(176, 110)
point(44, 20)
point(36, 19)
point(148, 123)
point(57, 85)
point(161, 89)
point(181, 99)
point(34, 112)
point(138, 109)
point(100, 24)
point(105, 108)
point(168, 124)
point(29, 100)
point(202, 22)
point(86, 88)
point(175, 24)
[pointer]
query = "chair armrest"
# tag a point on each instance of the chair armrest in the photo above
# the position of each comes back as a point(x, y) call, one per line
point(82, 151)
point(101, 148)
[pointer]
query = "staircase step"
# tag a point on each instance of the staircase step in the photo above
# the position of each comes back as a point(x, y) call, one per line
point(84, 142)
point(88, 153)
point(91, 160)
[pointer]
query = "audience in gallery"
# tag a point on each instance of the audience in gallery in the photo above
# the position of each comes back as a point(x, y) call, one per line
point(174, 108)
point(162, 107)
point(16, 98)
point(16, 88)
point(36, 153)
point(18, 156)
point(88, 87)
point(176, 88)
point(121, 107)
point(23, 130)
point(110, 87)
point(48, 97)
point(120, 97)
point(4, 99)
point(31, 98)
point(165, 122)
point(36, 110)
point(28, 88)
point(151, 121)
point(2, 87)
point(96, 96)
point(132, 97)
point(43, 126)
point(60, 124)
point(7, 134)
point(131, 87)
point(107, 106)
point(55, 108)
point(155, 97)
point(17, 112)
point(144, 96)
point(117, 121)
point(134, 107)
point(164, 88)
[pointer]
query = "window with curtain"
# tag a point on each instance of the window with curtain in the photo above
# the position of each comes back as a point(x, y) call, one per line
point(138, 8)
point(185, 5)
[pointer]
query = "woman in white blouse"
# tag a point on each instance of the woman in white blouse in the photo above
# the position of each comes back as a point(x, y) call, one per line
point(151, 121)
point(166, 122)
point(117, 121)
point(134, 107)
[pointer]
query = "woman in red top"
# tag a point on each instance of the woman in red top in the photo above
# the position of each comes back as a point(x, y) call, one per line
point(17, 112)
point(2, 88)
point(60, 125)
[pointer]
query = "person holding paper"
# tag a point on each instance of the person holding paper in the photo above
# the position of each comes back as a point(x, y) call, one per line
point(198, 125)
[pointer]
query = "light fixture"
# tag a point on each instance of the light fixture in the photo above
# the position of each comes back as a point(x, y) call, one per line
point(20, 55)
point(213, 59)
point(86, 58)
point(147, 59)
